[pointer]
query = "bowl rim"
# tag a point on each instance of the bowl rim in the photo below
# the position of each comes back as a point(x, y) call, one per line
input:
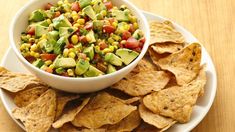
point(105, 76)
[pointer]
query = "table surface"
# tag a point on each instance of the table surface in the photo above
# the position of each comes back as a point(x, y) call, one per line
point(211, 21)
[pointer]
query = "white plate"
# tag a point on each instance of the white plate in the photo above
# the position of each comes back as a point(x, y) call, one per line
point(199, 111)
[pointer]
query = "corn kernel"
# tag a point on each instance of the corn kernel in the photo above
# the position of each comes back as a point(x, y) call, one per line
point(74, 13)
point(28, 36)
point(48, 62)
point(123, 42)
point(44, 36)
point(32, 40)
point(106, 50)
point(115, 24)
point(111, 48)
point(65, 52)
point(76, 25)
point(49, 21)
point(70, 72)
point(22, 47)
point(133, 19)
point(74, 39)
point(135, 25)
point(52, 66)
point(72, 55)
point(75, 18)
point(115, 43)
point(110, 40)
point(115, 47)
point(81, 21)
point(60, 3)
point(36, 55)
point(88, 59)
point(33, 47)
point(32, 53)
point(103, 13)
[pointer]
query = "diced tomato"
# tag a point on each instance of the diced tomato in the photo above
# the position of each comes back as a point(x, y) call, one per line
point(48, 6)
point(75, 7)
point(132, 43)
point(142, 41)
point(31, 30)
point(69, 46)
point(97, 58)
point(89, 26)
point(48, 69)
point(57, 14)
point(48, 56)
point(83, 39)
point(108, 29)
point(103, 45)
point(132, 29)
point(108, 5)
point(138, 49)
point(30, 58)
point(82, 56)
point(126, 35)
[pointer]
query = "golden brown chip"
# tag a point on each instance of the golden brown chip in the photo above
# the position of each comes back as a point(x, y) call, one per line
point(143, 83)
point(162, 32)
point(144, 127)
point(162, 48)
point(155, 56)
point(38, 115)
point(127, 124)
point(132, 100)
point(154, 119)
point(68, 127)
point(15, 82)
point(25, 97)
point(145, 65)
point(62, 100)
point(177, 101)
point(70, 115)
point(184, 64)
point(93, 130)
point(103, 109)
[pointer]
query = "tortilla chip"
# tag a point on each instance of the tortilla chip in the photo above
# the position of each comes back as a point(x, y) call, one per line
point(144, 127)
point(38, 115)
point(103, 109)
point(15, 82)
point(176, 102)
point(93, 130)
point(25, 97)
point(145, 65)
point(154, 119)
point(162, 32)
point(184, 64)
point(155, 56)
point(62, 100)
point(68, 127)
point(127, 124)
point(143, 83)
point(70, 115)
point(132, 100)
point(162, 48)
point(202, 76)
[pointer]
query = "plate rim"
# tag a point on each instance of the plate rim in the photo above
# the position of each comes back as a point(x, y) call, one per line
point(214, 82)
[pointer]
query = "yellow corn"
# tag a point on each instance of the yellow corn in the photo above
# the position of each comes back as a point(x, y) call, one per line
point(36, 55)
point(72, 55)
point(60, 3)
point(115, 43)
point(65, 52)
point(34, 47)
point(44, 36)
point(111, 48)
point(22, 47)
point(135, 25)
point(110, 40)
point(48, 62)
point(75, 18)
point(133, 19)
point(103, 13)
point(49, 21)
point(76, 25)
point(52, 66)
point(81, 21)
point(70, 72)
point(123, 42)
point(74, 39)
point(115, 24)
point(32, 53)
point(106, 50)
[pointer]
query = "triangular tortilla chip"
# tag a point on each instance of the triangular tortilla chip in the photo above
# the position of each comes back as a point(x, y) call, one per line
point(143, 83)
point(15, 82)
point(184, 64)
point(155, 56)
point(176, 102)
point(68, 127)
point(25, 97)
point(70, 115)
point(103, 109)
point(162, 32)
point(154, 119)
point(162, 48)
point(38, 115)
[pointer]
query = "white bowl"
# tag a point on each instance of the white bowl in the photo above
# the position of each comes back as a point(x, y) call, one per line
point(69, 84)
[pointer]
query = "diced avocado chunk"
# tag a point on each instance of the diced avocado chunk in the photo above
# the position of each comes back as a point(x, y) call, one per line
point(127, 55)
point(90, 37)
point(113, 59)
point(61, 21)
point(122, 26)
point(82, 66)
point(111, 69)
point(89, 51)
point(66, 31)
point(40, 30)
point(59, 70)
point(98, 25)
point(84, 3)
point(99, 6)
point(49, 46)
point(137, 34)
point(58, 47)
point(37, 15)
point(38, 63)
point(89, 12)
point(120, 15)
point(53, 35)
point(93, 72)
point(65, 63)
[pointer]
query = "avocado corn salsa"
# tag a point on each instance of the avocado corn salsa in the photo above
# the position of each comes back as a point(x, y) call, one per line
point(84, 38)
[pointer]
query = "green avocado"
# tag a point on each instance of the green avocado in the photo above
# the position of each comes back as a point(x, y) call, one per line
point(93, 72)
point(61, 21)
point(111, 69)
point(40, 30)
point(65, 63)
point(38, 63)
point(67, 31)
point(37, 15)
point(99, 6)
point(89, 51)
point(47, 45)
point(113, 59)
point(84, 3)
point(127, 55)
point(120, 15)
point(90, 36)
point(58, 47)
point(89, 12)
point(53, 35)
point(82, 66)
point(137, 34)
point(98, 25)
